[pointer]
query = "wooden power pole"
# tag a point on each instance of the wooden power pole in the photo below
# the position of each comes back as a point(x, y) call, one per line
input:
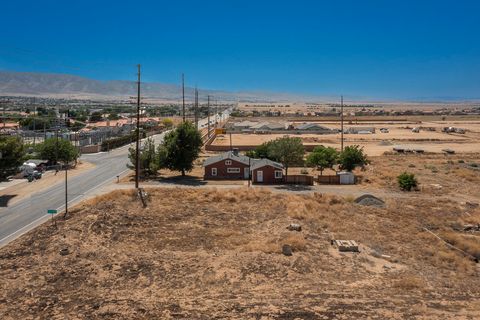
point(196, 107)
point(341, 122)
point(208, 116)
point(137, 149)
point(183, 97)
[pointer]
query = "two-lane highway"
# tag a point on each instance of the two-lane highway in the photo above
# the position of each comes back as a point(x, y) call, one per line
point(32, 211)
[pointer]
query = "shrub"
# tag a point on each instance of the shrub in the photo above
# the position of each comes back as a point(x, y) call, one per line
point(407, 181)
point(352, 157)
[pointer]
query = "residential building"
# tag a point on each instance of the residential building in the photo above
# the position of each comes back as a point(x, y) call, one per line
point(227, 166)
point(265, 171)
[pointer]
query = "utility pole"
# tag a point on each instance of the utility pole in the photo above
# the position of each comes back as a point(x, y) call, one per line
point(208, 116)
point(341, 122)
point(34, 126)
point(66, 191)
point(137, 150)
point(183, 96)
point(56, 150)
point(196, 107)
point(3, 117)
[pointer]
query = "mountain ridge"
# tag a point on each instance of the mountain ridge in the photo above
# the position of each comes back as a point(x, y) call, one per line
point(32, 83)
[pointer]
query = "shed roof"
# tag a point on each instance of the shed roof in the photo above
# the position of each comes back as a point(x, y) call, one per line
point(306, 126)
point(225, 156)
point(258, 163)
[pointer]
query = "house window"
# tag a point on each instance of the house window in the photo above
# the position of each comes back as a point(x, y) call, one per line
point(214, 171)
point(278, 174)
point(228, 162)
point(233, 170)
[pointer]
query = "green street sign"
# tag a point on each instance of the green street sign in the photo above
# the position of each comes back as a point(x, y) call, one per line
point(52, 211)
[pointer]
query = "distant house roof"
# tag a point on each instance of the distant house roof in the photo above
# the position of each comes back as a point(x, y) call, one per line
point(245, 124)
point(357, 129)
point(258, 163)
point(310, 126)
point(109, 123)
point(225, 156)
point(268, 126)
point(9, 125)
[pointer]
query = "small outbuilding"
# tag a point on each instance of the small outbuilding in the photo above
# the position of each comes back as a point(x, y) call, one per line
point(265, 171)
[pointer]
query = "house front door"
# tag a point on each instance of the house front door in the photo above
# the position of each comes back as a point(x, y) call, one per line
point(246, 173)
point(259, 176)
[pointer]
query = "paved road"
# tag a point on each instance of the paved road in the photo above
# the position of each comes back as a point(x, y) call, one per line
point(31, 212)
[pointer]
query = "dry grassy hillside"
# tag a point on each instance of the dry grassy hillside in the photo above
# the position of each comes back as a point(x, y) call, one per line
point(454, 176)
point(215, 254)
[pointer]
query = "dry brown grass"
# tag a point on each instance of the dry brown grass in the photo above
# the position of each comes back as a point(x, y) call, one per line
point(437, 174)
point(410, 282)
point(216, 253)
point(469, 243)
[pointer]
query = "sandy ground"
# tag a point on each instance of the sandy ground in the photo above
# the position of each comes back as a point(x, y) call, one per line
point(20, 190)
point(292, 107)
point(378, 143)
point(216, 254)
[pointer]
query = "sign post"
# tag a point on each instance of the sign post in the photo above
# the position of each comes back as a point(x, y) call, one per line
point(52, 212)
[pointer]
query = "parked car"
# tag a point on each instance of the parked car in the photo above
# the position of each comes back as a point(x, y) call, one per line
point(37, 174)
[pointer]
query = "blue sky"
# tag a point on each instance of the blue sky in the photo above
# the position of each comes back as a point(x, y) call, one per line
point(374, 49)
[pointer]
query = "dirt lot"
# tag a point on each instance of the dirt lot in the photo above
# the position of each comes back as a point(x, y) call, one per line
point(448, 176)
point(215, 254)
point(378, 143)
point(292, 107)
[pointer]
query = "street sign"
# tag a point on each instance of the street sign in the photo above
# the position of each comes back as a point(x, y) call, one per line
point(52, 211)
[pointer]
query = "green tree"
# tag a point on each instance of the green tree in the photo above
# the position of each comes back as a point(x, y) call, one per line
point(288, 151)
point(162, 154)
point(352, 157)
point(96, 116)
point(322, 158)
point(113, 116)
point(12, 151)
point(55, 150)
point(183, 147)
point(149, 162)
point(262, 151)
point(407, 181)
point(168, 123)
point(33, 122)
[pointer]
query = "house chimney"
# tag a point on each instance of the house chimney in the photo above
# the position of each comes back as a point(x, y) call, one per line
point(235, 151)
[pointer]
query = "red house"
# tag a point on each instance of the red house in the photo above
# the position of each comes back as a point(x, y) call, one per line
point(227, 166)
point(265, 171)
point(232, 166)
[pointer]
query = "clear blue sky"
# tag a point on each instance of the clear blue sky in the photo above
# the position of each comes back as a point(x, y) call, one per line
point(377, 49)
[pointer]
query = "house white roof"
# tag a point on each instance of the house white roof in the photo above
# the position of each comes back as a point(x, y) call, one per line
point(258, 163)
point(306, 126)
point(224, 156)
point(268, 126)
point(245, 123)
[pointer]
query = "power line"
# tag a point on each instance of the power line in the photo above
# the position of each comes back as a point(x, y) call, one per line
point(208, 115)
point(341, 121)
point(183, 96)
point(137, 150)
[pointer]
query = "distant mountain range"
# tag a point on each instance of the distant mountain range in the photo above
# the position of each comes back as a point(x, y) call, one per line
point(70, 86)
point(55, 85)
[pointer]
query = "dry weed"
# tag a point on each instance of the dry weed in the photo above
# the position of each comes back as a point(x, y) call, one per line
point(410, 282)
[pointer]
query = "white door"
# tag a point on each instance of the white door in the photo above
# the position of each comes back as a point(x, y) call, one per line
point(246, 173)
point(259, 176)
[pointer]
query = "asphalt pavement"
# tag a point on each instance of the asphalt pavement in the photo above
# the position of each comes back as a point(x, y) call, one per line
point(32, 211)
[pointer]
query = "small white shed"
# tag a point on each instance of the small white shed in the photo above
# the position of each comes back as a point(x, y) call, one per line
point(346, 177)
